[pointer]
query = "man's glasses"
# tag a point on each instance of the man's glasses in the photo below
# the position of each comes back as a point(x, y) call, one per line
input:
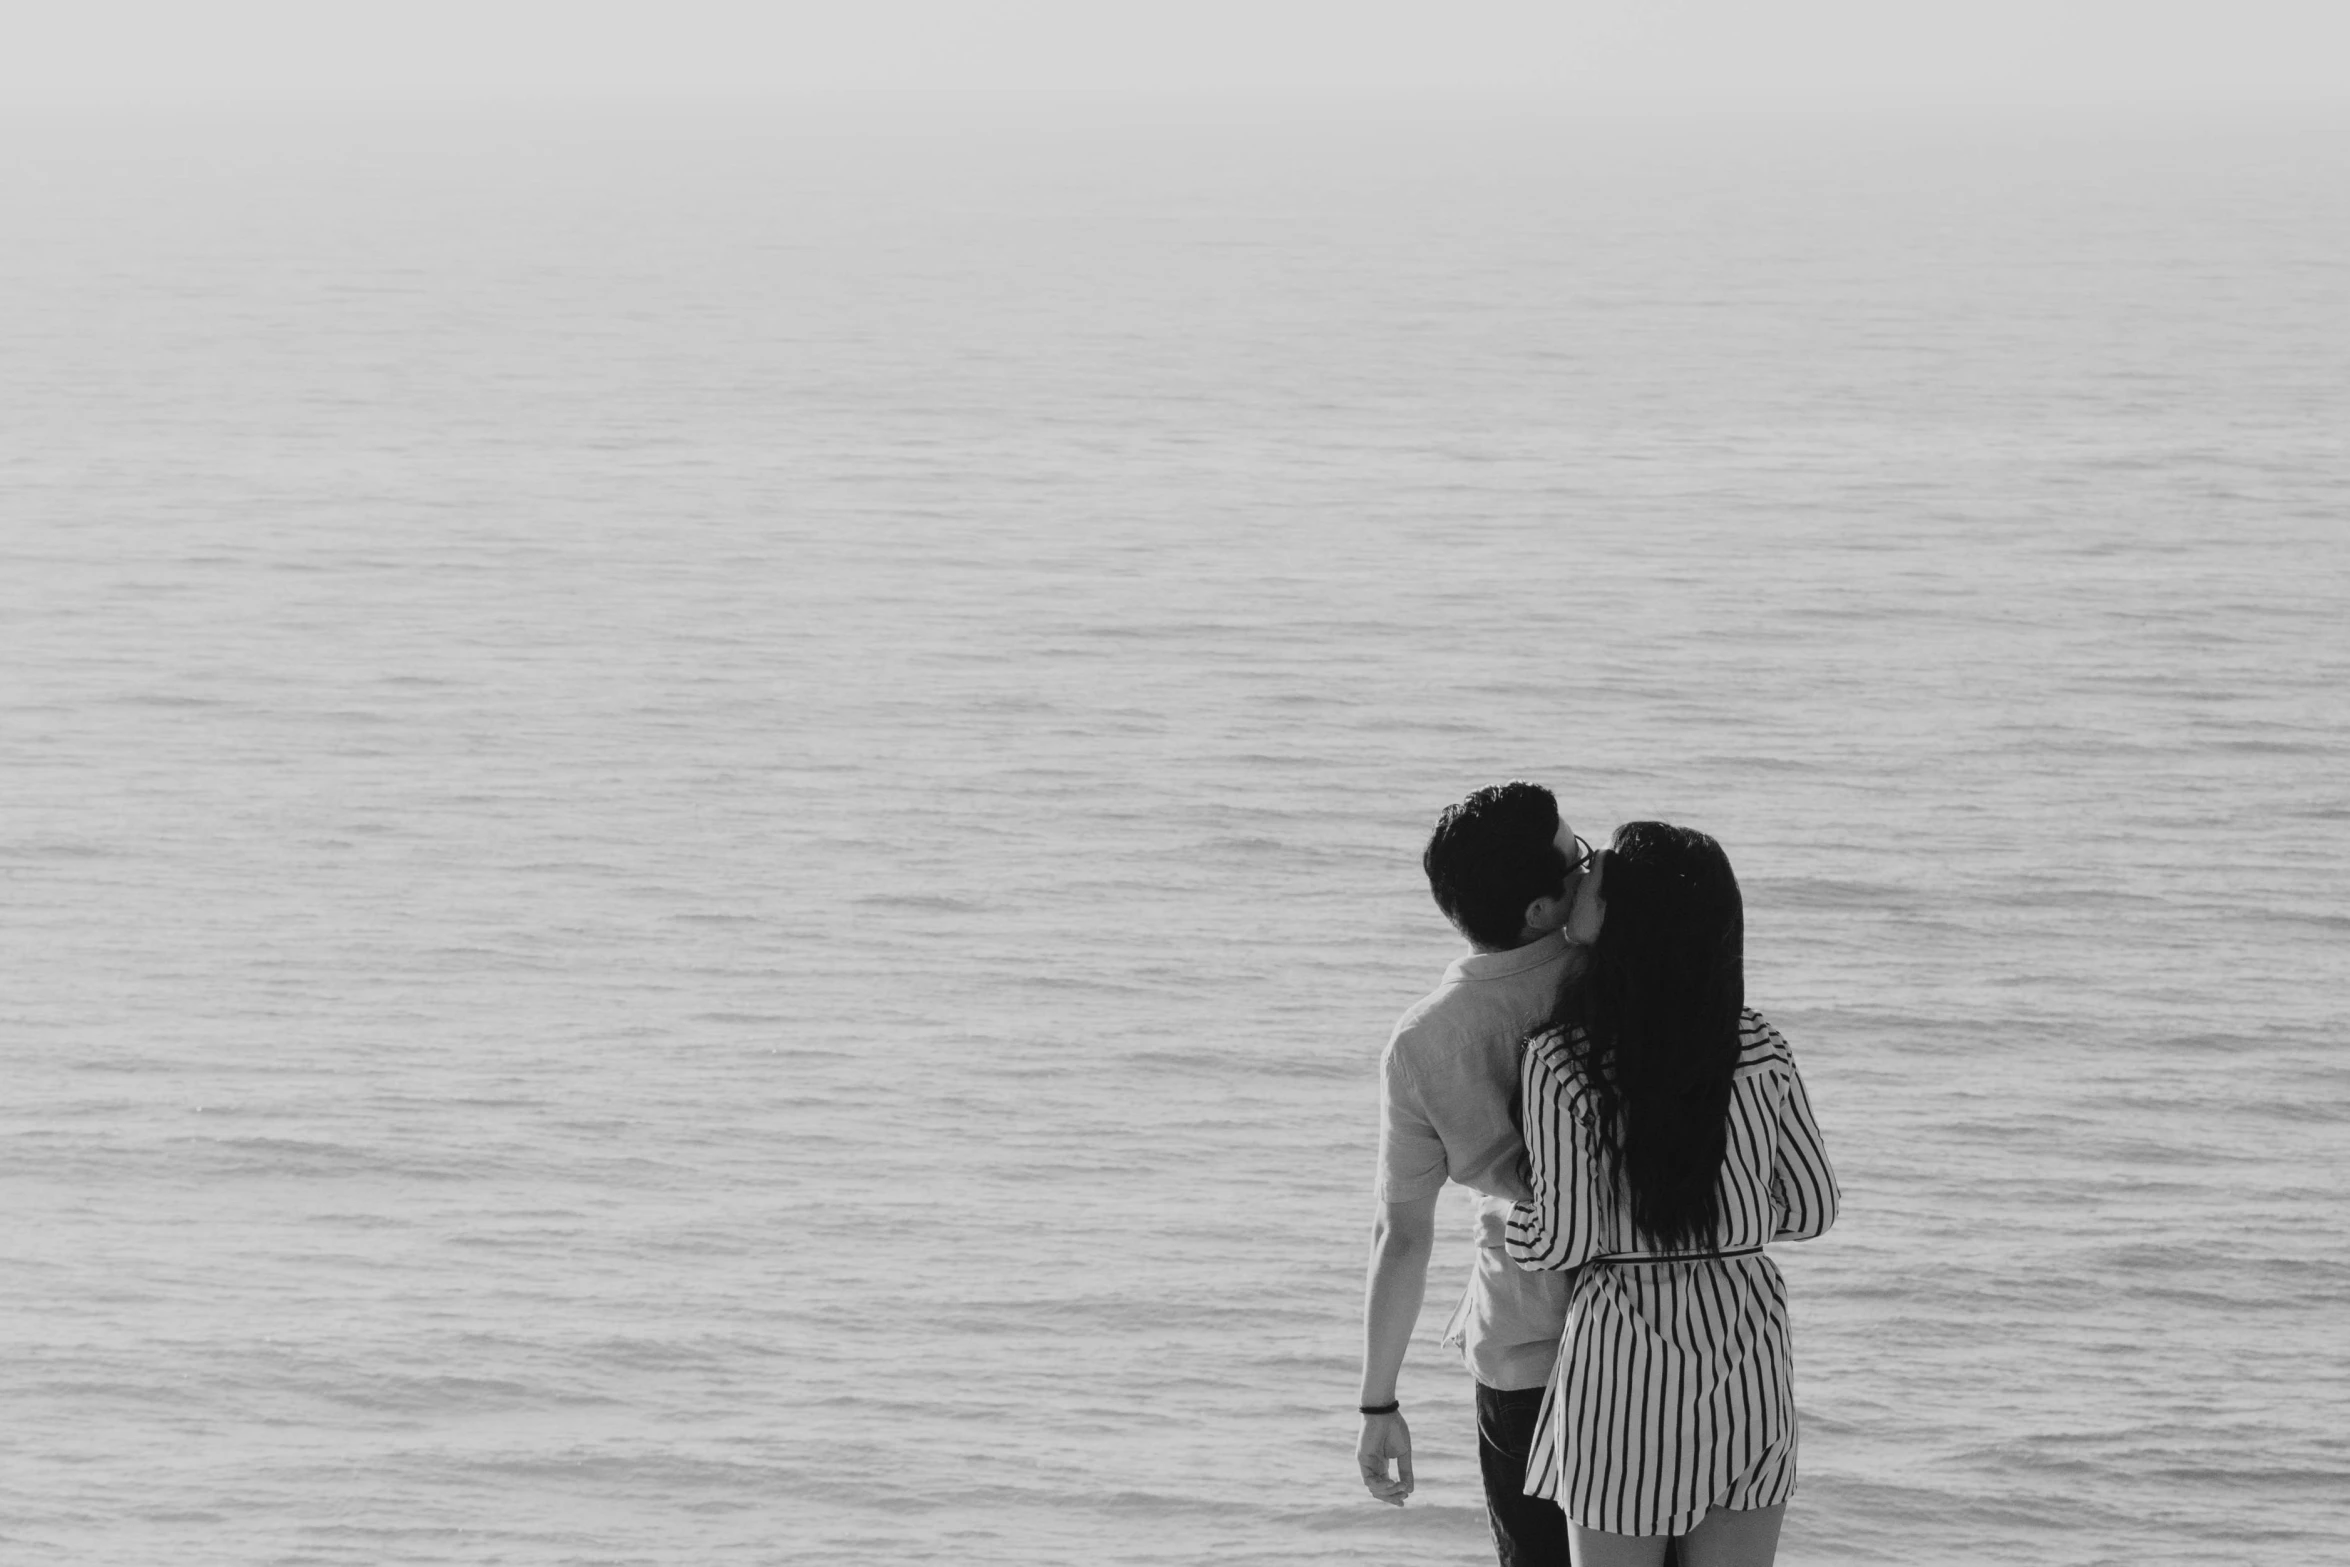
point(1583, 856)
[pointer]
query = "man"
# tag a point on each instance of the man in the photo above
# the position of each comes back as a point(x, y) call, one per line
point(1504, 868)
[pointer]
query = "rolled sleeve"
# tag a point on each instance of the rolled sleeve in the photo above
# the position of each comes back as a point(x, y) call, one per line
point(1803, 1185)
point(1412, 1161)
point(1560, 1228)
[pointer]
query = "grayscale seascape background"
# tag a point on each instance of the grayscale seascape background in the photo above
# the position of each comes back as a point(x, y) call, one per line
point(711, 825)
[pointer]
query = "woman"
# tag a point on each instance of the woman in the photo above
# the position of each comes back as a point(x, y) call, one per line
point(1670, 1139)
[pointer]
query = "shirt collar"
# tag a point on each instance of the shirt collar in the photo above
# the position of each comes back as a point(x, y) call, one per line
point(1500, 965)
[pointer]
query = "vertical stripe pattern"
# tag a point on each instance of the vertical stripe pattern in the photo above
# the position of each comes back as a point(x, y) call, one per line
point(1673, 1393)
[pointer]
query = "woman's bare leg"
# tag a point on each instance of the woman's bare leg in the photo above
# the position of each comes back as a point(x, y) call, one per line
point(1728, 1537)
point(1598, 1548)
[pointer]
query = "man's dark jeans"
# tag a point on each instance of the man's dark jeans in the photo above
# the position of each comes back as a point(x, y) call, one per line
point(1527, 1531)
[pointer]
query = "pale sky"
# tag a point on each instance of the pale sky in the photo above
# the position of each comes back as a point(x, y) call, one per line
point(1666, 52)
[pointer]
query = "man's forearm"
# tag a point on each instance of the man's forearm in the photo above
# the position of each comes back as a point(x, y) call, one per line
point(1391, 1307)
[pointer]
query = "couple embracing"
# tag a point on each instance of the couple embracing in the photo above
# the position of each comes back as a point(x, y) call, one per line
point(1637, 1135)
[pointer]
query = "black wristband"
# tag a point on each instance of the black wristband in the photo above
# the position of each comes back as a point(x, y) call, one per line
point(1392, 1406)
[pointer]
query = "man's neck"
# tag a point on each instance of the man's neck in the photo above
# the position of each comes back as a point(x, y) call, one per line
point(1526, 938)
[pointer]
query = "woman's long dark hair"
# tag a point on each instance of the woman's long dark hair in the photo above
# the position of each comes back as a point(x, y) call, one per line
point(1652, 1022)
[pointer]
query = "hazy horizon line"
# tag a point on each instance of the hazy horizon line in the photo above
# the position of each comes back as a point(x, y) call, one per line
point(1512, 98)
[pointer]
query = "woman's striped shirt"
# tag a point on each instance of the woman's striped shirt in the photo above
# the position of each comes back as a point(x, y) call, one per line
point(1673, 1393)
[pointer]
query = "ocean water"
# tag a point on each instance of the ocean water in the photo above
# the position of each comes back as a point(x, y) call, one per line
point(712, 820)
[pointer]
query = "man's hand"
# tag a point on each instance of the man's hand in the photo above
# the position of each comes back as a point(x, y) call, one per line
point(1385, 1437)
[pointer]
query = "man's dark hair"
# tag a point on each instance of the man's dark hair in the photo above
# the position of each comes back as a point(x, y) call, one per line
point(1493, 854)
